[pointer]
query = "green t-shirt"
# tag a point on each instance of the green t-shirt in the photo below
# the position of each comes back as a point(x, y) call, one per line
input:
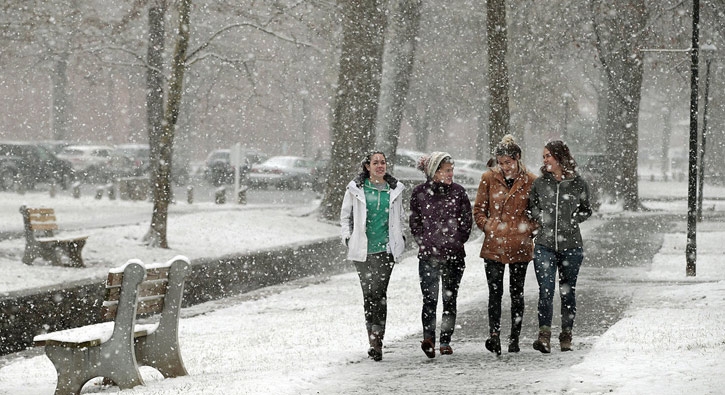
point(377, 200)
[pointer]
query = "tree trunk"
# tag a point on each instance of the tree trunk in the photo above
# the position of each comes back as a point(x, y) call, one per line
point(619, 36)
point(498, 81)
point(162, 185)
point(356, 101)
point(154, 82)
point(398, 61)
point(60, 97)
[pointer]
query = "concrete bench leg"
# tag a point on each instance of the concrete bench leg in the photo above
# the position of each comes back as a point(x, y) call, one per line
point(73, 249)
point(162, 354)
point(76, 366)
point(46, 251)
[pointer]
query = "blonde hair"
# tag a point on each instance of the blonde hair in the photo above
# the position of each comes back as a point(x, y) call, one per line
point(508, 147)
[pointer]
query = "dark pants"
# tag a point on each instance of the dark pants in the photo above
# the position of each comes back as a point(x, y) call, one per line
point(546, 264)
point(494, 277)
point(432, 275)
point(374, 278)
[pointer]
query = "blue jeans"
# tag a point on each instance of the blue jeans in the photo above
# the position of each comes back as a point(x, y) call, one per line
point(546, 264)
point(432, 275)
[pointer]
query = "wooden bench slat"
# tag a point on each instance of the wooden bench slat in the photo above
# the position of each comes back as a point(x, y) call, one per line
point(41, 240)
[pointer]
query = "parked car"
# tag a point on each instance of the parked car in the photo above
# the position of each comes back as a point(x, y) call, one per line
point(319, 174)
point(54, 146)
point(219, 170)
point(135, 160)
point(137, 155)
point(28, 164)
point(291, 172)
point(406, 166)
point(468, 171)
point(91, 163)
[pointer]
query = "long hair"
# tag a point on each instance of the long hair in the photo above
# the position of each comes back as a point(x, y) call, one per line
point(365, 173)
point(560, 151)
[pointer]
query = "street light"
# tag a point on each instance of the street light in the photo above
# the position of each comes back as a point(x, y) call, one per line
point(707, 51)
point(691, 247)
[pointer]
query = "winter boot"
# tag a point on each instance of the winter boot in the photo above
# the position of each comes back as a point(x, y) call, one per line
point(565, 340)
point(514, 344)
point(429, 347)
point(446, 349)
point(370, 340)
point(493, 343)
point(376, 346)
point(543, 343)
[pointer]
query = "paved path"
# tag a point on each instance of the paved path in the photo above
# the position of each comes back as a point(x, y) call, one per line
point(615, 245)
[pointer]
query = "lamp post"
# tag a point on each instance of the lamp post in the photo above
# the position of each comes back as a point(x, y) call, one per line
point(707, 50)
point(691, 248)
point(565, 133)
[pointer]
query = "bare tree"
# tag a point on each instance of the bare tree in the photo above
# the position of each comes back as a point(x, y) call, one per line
point(398, 61)
point(162, 183)
point(356, 101)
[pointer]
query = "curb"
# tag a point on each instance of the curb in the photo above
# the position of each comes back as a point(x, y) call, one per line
point(26, 313)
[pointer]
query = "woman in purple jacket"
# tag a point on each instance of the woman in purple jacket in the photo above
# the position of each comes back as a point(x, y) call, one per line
point(440, 221)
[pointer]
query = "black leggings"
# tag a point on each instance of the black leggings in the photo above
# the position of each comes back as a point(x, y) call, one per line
point(374, 276)
point(494, 276)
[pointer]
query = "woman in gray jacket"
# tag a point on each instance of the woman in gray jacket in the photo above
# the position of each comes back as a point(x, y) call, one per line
point(558, 202)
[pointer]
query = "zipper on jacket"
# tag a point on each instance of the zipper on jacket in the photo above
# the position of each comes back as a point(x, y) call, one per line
point(556, 219)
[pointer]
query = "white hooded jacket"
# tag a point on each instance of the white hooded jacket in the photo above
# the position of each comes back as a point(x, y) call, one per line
point(353, 216)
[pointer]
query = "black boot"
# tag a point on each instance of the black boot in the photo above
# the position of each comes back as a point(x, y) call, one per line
point(514, 344)
point(376, 346)
point(493, 343)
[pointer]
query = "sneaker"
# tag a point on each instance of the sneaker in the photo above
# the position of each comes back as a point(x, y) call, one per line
point(493, 344)
point(446, 350)
point(428, 347)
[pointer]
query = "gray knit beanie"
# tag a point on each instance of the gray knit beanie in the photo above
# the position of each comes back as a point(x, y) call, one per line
point(429, 164)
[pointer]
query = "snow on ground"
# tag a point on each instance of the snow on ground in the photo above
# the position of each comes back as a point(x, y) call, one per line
point(195, 231)
point(287, 339)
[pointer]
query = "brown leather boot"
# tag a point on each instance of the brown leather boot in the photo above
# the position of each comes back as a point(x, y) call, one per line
point(543, 343)
point(428, 346)
point(565, 340)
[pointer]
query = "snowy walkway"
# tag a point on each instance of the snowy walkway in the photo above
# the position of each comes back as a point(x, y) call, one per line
point(306, 337)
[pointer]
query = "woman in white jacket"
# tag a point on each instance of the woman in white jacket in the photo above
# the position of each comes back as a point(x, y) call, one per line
point(371, 223)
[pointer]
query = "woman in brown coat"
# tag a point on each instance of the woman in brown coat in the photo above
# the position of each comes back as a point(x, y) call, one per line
point(500, 212)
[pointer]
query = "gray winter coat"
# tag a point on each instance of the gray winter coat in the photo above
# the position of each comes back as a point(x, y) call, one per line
point(559, 207)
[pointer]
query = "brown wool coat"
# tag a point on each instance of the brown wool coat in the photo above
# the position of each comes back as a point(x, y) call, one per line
point(501, 214)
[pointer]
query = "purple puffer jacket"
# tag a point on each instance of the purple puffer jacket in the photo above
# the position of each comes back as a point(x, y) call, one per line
point(440, 220)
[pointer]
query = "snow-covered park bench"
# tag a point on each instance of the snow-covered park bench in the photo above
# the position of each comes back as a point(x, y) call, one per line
point(141, 314)
point(41, 240)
